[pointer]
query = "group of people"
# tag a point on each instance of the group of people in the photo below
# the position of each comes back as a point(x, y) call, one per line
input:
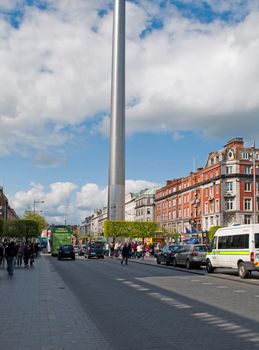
point(127, 250)
point(15, 254)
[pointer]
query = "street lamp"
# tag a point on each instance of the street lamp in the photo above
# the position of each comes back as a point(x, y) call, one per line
point(34, 203)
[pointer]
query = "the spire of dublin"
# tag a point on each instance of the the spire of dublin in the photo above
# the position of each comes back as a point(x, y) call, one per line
point(116, 188)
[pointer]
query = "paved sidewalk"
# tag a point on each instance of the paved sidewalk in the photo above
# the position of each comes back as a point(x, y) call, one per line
point(37, 311)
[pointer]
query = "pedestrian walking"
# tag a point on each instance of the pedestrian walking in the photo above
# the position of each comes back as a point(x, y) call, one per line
point(10, 253)
point(125, 253)
point(26, 255)
point(31, 254)
point(20, 253)
point(2, 254)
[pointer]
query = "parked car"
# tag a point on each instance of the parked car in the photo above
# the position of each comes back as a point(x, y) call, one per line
point(66, 251)
point(191, 255)
point(82, 250)
point(95, 250)
point(166, 254)
point(76, 249)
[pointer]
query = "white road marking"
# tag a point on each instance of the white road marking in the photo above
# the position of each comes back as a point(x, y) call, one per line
point(143, 289)
point(207, 283)
point(170, 301)
point(222, 287)
point(230, 327)
point(239, 291)
point(120, 279)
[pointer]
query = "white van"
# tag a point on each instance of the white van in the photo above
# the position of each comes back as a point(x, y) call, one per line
point(235, 247)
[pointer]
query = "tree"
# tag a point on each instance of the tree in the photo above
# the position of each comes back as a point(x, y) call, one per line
point(116, 228)
point(39, 219)
point(212, 232)
point(15, 228)
point(1, 227)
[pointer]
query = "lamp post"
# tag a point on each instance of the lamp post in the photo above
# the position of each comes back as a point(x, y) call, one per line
point(34, 203)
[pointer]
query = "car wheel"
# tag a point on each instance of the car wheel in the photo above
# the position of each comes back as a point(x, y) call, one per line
point(158, 261)
point(188, 264)
point(209, 267)
point(174, 262)
point(242, 271)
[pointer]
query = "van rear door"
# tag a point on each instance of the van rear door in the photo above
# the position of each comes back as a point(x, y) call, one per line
point(256, 252)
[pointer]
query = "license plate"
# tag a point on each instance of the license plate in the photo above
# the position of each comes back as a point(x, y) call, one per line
point(257, 256)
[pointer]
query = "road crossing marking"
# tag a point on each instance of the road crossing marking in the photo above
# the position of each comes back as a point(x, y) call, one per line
point(239, 291)
point(170, 301)
point(228, 326)
point(207, 283)
point(222, 287)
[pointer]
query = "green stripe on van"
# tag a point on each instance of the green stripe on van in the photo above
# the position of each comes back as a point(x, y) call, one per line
point(232, 252)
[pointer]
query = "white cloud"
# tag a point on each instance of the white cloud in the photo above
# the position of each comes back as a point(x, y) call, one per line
point(56, 67)
point(63, 202)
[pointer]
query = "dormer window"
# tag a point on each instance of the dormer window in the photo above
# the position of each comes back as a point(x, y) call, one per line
point(246, 155)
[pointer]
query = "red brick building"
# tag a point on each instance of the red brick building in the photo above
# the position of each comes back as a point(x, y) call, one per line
point(220, 193)
point(6, 212)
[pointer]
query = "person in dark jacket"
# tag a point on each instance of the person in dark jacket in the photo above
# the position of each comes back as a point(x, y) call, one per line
point(125, 253)
point(10, 254)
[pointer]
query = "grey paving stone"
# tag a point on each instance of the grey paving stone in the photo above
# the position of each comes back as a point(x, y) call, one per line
point(38, 311)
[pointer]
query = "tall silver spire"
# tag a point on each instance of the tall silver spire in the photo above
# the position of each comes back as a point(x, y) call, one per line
point(116, 189)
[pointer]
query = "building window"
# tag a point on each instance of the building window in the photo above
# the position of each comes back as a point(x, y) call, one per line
point(217, 205)
point(229, 204)
point(170, 215)
point(247, 186)
point(229, 169)
point(217, 189)
point(245, 155)
point(180, 213)
point(247, 170)
point(248, 204)
point(229, 186)
point(212, 206)
point(180, 200)
point(174, 202)
point(148, 211)
point(206, 208)
point(206, 192)
point(247, 219)
point(174, 214)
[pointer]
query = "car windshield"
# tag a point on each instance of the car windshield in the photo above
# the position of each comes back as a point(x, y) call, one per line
point(67, 247)
point(200, 248)
point(174, 247)
point(96, 245)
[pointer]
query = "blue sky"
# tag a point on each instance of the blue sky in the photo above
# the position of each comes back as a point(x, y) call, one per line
point(191, 85)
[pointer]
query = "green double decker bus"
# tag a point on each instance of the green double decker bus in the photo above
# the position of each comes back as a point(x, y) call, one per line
point(60, 234)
